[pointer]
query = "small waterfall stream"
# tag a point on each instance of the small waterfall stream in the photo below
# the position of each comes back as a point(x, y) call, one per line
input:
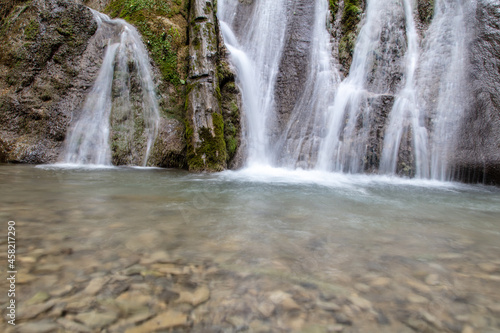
point(256, 53)
point(257, 57)
point(109, 107)
point(298, 146)
point(405, 112)
point(344, 147)
point(442, 92)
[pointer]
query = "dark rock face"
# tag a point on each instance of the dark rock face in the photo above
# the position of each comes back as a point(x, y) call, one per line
point(292, 75)
point(478, 153)
point(380, 105)
point(42, 76)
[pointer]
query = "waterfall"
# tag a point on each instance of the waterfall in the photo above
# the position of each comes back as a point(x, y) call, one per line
point(134, 123)
point(435, 91)
point(298, 145)
point(397, 112)
point(349, 123)
point(405, 113)
point(442, 81)
point(255, 53)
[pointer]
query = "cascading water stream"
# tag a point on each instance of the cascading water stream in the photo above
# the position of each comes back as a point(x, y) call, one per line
point(255, 53)
point(399, 107)
point(298, 146)
point(442, 82)
point(405, 113)
point(344, 147)
point(88, 141)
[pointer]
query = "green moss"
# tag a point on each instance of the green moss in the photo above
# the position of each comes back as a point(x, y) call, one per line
point(125, 8)
point(31, 30)
point(234, 108)
point(217, 91)
point(334, 8)
point(211, 153)
point(46, 96)
point(232, 145)
point(351, 15)
point(66, 28)
point(10, 10)
point(163, 44)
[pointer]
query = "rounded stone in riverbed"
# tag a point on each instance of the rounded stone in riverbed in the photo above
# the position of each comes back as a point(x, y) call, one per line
point(43, 326)
point(95, 285)
point(360, 302)
point(200, 295)
point(489, 267)
point(164, 320)
point(413, 298)
point(96, 320)
point(495, 308)
point(432, 279)
point(284, 299)
point(380, 282)
point(266, 308)
point(156, 257)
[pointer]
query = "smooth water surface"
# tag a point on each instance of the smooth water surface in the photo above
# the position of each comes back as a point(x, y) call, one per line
point(322, 228)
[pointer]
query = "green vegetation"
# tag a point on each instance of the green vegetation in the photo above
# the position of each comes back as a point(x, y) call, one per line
point(334, 7)
point(351, 15)
point(31, 30)
point(211, 154)
point(231, 114)
point(163, 41)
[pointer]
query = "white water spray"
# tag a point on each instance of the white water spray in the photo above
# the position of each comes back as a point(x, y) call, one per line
point(339, 129)
point(298, 146)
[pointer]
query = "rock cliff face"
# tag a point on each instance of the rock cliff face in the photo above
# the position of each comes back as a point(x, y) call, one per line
point(292, 73)
point(478, 153)
point(163, 26)
point(49, 59)
point(44, 73)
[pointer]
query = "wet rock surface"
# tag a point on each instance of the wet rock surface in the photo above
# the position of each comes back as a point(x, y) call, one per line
point(212, 109)
point(478, 156)
point(42, 76)
point(50, 58)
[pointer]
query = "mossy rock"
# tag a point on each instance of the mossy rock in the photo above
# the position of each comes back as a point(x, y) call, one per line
point(351, 16)
point(425, 11)
point(162, 31)
point(210, 155)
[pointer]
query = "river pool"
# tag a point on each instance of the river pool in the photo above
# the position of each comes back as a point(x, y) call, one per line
point(258, 250)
